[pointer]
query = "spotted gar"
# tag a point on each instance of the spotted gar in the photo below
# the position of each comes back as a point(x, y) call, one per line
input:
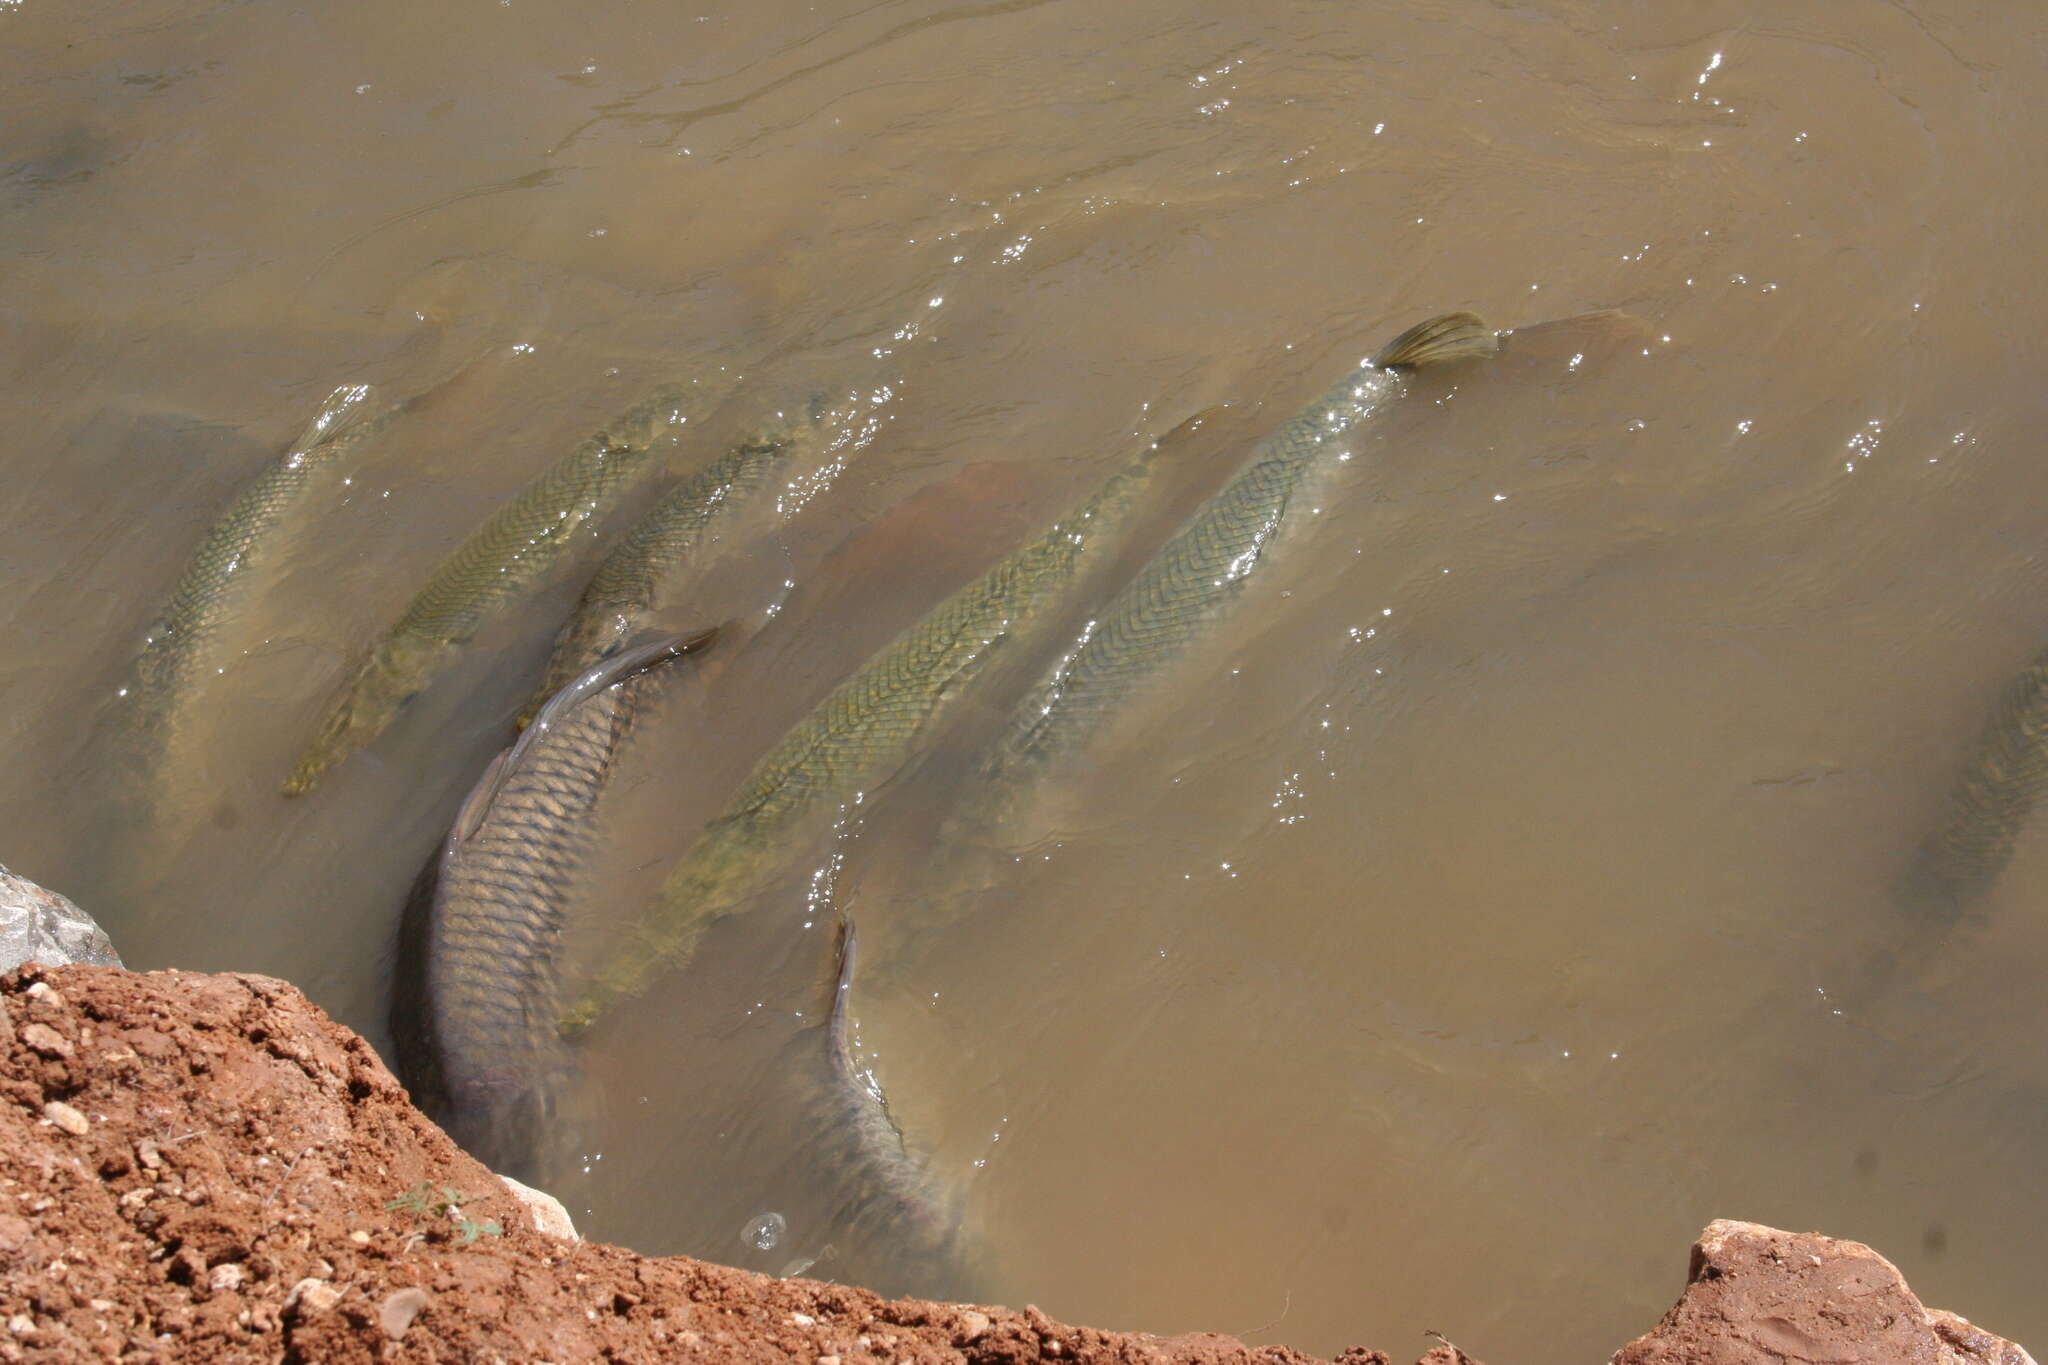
point(861, 732)
point(1155, 616)
point(475, 1010)
point(514, 546)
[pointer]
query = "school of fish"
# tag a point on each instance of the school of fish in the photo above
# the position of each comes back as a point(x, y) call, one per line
point(488, 1023)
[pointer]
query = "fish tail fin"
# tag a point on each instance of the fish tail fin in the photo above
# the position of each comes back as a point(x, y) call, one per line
point(1442, 339)
point(842, 984)
point(344, 408)
point(1184, 430)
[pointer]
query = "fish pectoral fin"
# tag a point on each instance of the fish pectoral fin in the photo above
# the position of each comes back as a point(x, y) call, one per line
point(1440, 340)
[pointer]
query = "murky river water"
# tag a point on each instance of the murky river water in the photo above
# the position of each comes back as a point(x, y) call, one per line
point(1492, 901)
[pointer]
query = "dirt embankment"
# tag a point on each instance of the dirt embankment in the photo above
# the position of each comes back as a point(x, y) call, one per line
point(206, 1168)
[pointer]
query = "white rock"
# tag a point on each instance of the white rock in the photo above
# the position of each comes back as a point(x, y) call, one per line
point(548, 1214)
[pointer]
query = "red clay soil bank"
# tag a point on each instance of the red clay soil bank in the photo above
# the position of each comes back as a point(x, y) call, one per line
point(201, 1168)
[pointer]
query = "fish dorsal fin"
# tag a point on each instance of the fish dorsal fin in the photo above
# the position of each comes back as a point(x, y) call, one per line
point(1440, 340)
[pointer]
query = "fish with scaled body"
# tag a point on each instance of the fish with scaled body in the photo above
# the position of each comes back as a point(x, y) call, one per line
point(861, 732)
point(622, 596)
point(895, 1211)
point(2005, 778)
point(512, 548)
point(205, 593)
point(1189, 583)
point(475, 1009)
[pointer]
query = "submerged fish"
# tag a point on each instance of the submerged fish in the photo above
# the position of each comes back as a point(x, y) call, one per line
point(474, 1012)
point(515, 545)
point(205, 592)
point(2006, 777)
point(861, 732)
point(621, 597)
point(902, 1226)
point(1154, 617)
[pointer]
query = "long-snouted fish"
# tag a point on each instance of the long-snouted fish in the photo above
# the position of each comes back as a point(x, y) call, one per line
point(621, 598)
point(900, 1225)
point(514, 546)
point(862, 731)
point(205, 593)
point(1153, 618)
point(2004, 780)
point(474, 1011)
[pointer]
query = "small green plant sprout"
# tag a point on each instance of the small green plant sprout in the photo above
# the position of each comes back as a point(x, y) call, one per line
point(428, 1201)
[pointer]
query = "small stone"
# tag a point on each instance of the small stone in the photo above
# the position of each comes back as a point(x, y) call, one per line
point(67, 1118)
point(101, 1305)
point(397, 1311)
point(45, 992)
point(359, 1237)
point(311, 1296)
point(973, 1326)
point(45, 1040)
point(548, 1214)
point(802, 1319)
point(136, 1197)
point(146, 1152)
point(21, 1324)
point(828, 1360)
point(225, 1277)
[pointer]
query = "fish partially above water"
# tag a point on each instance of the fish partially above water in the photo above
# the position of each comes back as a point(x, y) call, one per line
point(514, 546)
point(474, 1012)
point(861, 732)
point(900, 1225)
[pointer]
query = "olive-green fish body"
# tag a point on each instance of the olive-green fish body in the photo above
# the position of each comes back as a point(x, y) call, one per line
point(205, 593)
point(2005, 779)
point(858, 734)
point(622, 596)
point(1154, 617)
point(514, 546)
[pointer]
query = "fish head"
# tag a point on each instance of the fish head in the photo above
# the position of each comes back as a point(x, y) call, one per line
point(800, 422)
point(592, 636)
point(643, 424)
point(386, 681)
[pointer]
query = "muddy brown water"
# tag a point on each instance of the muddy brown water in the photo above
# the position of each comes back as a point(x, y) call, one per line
point(1493, 900)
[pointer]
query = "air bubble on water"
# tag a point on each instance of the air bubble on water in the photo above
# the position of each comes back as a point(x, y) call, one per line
point(764, 1231)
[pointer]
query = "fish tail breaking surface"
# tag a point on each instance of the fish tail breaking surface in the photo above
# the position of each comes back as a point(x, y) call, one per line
point(895, 1203)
